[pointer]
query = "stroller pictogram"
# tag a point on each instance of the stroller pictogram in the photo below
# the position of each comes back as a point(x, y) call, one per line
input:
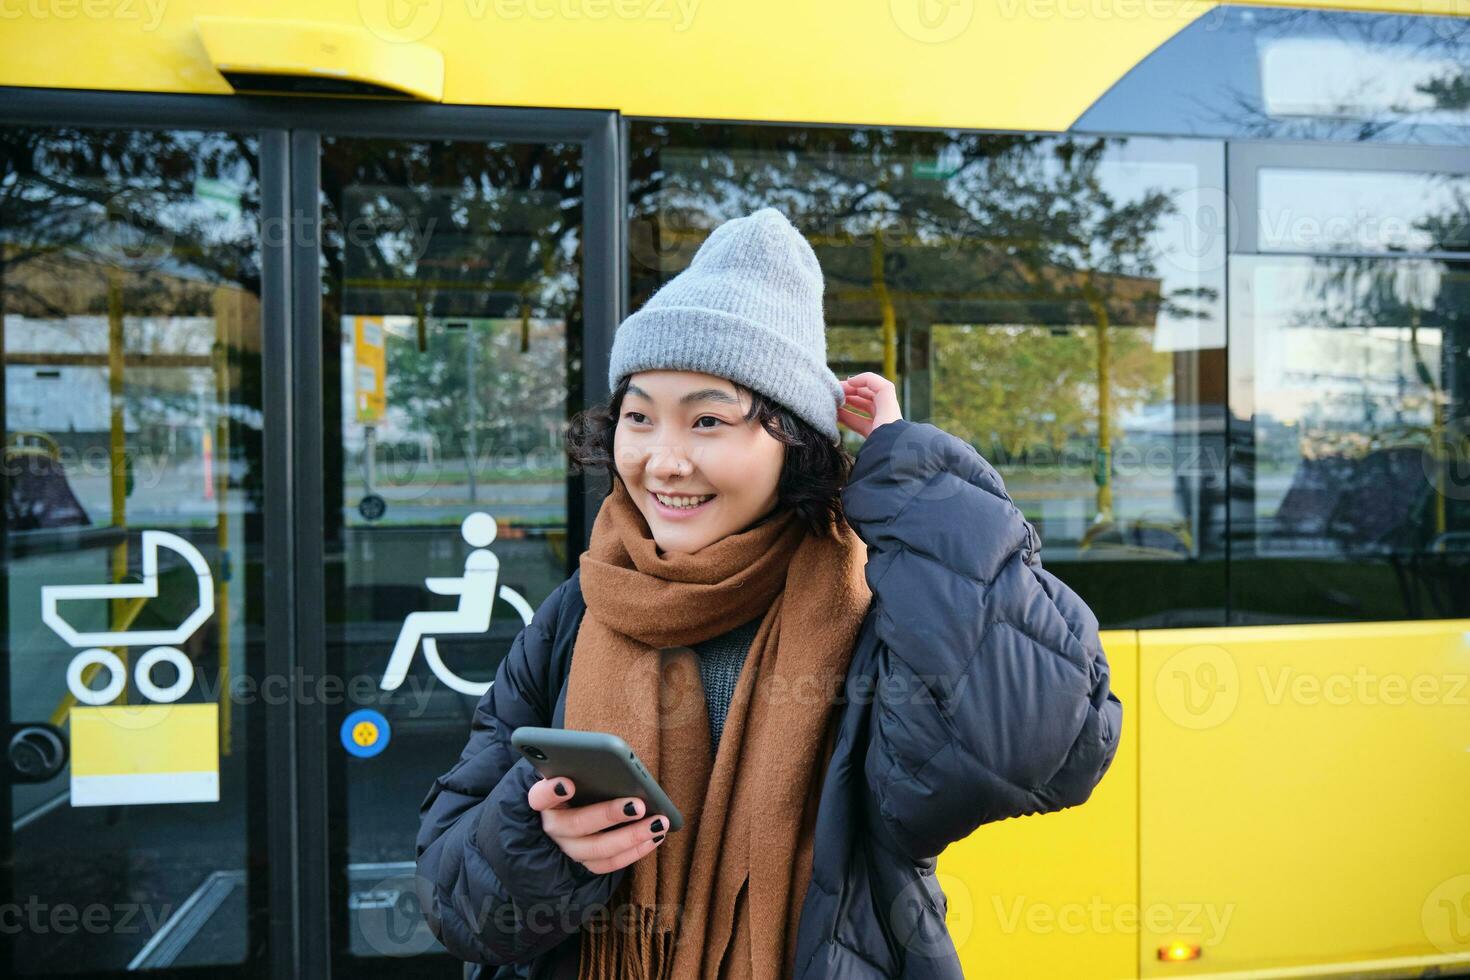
point(138, 754)
point(163, 642)
point(477, 590)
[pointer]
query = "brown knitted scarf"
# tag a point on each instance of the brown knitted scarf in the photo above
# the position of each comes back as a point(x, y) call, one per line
point(721, 898)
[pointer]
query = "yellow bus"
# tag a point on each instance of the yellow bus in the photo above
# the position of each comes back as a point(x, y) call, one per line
point(291, 291)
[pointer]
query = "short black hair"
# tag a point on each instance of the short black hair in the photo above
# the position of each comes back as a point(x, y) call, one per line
point(813, 473)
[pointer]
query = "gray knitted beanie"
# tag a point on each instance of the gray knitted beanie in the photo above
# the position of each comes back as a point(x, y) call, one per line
point(749, 309)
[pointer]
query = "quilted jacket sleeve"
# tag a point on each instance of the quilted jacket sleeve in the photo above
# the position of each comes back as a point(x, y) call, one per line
point(993, 698)
point(494, 888)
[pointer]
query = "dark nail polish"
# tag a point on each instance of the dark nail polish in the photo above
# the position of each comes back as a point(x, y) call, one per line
point(561, 789)
point(630, 808)
point(658, 838)
point(657, 825)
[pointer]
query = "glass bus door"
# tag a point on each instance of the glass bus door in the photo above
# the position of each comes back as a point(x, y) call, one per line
point(133, 708)
point(284, 393)
point(467, 301)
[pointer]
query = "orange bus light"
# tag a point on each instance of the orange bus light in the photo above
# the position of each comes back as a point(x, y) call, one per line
point(1175, 952)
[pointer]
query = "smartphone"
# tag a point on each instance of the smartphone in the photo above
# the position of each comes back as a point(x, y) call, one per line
point(600, 763)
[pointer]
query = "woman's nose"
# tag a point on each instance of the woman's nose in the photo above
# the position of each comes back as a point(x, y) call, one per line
point(668, 461)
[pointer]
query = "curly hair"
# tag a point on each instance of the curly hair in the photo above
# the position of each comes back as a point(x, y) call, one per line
point(813, 472)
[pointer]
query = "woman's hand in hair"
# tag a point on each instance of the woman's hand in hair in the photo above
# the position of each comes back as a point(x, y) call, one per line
point(874, 396)
point(582, 831)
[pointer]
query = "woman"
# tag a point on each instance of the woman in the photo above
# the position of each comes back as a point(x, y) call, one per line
point(835, 667)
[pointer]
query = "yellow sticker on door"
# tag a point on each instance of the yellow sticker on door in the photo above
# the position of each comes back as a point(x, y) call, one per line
point(146, 753)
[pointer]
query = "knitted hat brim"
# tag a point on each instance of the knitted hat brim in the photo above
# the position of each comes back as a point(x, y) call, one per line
point(729, 346)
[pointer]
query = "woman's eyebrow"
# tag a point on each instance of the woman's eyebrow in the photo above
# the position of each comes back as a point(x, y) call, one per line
point(703, 394)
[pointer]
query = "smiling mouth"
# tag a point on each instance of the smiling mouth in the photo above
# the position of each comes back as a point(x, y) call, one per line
point(673, 510)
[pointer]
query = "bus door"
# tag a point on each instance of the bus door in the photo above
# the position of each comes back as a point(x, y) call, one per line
point(284, 392)
point(136, 298)
point(467, 281)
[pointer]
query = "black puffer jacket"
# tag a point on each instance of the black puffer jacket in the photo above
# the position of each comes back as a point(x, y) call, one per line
point(977, 691)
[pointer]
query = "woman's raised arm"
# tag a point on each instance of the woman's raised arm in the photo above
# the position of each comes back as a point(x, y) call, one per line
point(993, 698)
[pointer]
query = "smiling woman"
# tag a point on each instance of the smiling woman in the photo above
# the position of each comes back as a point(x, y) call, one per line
point(696, 469)
point(713, 632)
point(687, 435)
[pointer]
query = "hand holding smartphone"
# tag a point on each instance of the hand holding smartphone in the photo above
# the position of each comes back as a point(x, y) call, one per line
point(603, 785)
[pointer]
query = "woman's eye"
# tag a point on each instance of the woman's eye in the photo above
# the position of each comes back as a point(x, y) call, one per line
point(639, 418)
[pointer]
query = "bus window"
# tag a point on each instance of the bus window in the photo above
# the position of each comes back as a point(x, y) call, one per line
point(1262, 72)
point(1349, 379)
point(1301, 209)
point(1056, 302)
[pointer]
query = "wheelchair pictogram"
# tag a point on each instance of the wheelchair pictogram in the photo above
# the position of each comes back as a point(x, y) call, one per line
point(477, 590)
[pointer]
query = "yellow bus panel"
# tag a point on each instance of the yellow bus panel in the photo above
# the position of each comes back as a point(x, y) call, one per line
point(1050, 896)
point(1283, 769)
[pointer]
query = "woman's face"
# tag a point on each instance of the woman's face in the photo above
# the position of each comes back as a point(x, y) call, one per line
point(684, 433)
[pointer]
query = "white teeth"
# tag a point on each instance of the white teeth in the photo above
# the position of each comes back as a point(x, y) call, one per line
point(682, 501)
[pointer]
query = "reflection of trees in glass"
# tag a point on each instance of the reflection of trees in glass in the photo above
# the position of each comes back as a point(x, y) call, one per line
point(143, 231)
point(1082, 255)
point(1398, 77)
point(1449, 91)
point(918, 229)
point(445, 232)
point(134, 200)
point(1017, 388)
point(1428, 409)
point(521, 393)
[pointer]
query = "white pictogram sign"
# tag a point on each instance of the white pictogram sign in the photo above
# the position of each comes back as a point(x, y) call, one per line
point(146, 589)
point(477, 590)
point(150, 753)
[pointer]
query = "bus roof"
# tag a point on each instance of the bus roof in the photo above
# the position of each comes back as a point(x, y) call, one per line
point(1031, 65)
